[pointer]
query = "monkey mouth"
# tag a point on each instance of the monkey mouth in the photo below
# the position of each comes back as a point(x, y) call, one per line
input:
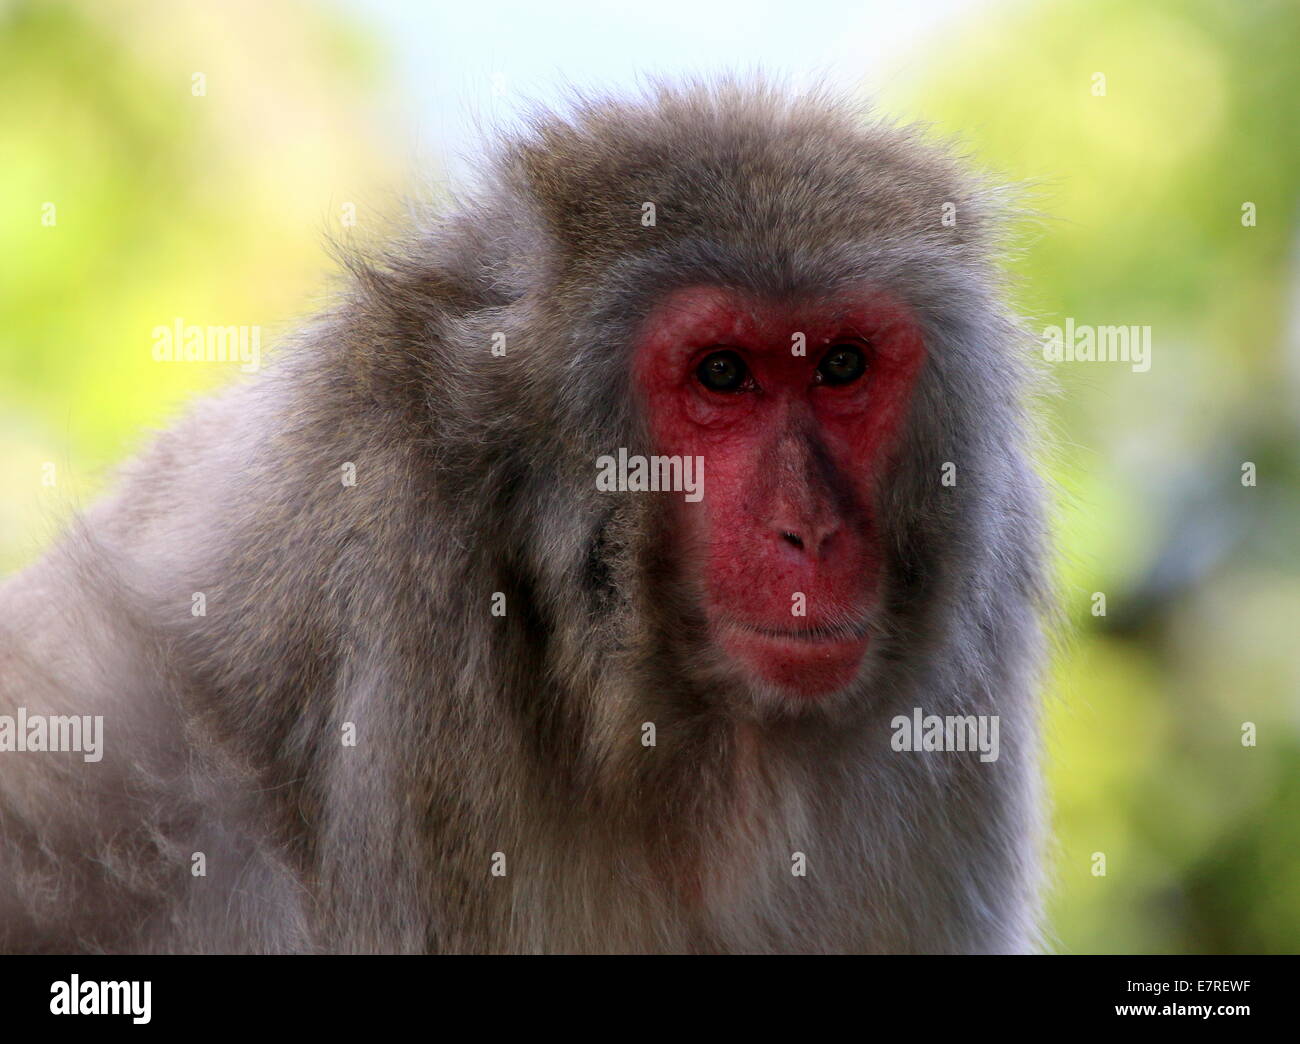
point(806, 662)
point(811, 635)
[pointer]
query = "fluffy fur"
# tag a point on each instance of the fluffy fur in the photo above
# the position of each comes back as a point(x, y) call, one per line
point(521, 735)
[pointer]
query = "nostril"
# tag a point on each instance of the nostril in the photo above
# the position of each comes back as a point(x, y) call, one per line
point(793, 539)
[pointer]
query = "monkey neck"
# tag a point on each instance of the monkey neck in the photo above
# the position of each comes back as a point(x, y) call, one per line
point(709, 806)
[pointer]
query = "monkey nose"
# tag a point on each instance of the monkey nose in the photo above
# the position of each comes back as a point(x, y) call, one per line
point(809, 538)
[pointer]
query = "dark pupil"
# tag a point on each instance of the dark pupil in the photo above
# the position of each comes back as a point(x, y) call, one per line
point(722, 371)
point(843, 364)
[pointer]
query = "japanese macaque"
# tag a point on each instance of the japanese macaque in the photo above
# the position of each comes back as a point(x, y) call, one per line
point(403, 645)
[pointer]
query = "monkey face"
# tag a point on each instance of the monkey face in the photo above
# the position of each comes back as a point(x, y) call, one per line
point(794, 408)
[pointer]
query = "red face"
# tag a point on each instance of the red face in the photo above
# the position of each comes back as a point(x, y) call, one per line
point(793, 446)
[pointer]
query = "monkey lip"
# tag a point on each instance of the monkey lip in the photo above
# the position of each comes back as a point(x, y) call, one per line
point(812, 635)
point(808, 662)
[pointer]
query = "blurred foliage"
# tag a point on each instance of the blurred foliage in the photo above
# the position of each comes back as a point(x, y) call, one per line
point(210, 207)
point(1143, 187)
point(215, 208)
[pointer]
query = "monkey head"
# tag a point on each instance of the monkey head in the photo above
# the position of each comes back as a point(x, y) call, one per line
point(804, 301)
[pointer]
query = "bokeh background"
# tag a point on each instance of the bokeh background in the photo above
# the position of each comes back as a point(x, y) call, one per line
point(212, 198)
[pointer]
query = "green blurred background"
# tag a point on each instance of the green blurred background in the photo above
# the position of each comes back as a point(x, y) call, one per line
point(216, 207)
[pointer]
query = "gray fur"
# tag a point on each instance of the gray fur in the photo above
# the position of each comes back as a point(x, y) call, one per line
point(522, 735)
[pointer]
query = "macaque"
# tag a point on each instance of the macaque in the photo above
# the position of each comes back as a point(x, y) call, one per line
point(572, 585)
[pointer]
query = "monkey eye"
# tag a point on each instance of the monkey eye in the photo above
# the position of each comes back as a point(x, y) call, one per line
point(723, 371)
point(842, 364)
